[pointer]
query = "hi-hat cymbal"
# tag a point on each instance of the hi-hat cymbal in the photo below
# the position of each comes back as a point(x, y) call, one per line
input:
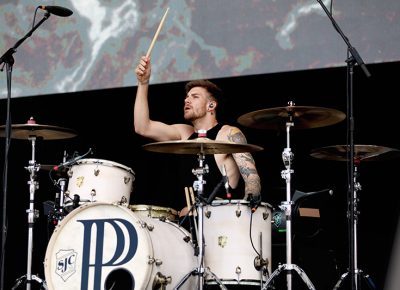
point(200, 145)
point(361, 153)
point(303, 117)
point(46, 132)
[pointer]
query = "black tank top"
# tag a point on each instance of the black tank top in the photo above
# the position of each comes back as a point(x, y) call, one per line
point(213, 177)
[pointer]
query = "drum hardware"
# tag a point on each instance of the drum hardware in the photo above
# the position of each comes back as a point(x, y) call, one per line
point(297, 117)
point(32, 131)
point(361, 153)
point(97, 180)
point(135, 251)
point(287, 157)
point(198, 186)
point(33, 214)
point(353, 58)
point(160, 281)
point(200, 146)
point(58, 211)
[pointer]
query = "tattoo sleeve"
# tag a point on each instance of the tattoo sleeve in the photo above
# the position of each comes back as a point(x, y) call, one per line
point(246, 164)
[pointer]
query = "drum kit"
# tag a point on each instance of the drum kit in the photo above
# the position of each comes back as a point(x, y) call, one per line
point(102, 242)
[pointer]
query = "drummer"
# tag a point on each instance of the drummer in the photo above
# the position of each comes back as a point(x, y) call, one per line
point(202, 101)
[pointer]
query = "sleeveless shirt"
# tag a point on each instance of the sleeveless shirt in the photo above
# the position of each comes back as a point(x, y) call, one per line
point(213, 177)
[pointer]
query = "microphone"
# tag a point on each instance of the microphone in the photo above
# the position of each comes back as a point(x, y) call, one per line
point(226, 183)
point(71, 161)
point(57, 10)
point(66, 163)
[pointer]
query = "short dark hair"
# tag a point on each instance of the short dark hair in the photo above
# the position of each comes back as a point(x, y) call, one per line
point(212, 88)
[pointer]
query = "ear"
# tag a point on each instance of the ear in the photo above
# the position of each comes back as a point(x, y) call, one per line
point(212, 105)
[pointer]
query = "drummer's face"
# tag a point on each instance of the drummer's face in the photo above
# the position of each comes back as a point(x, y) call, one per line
point(196, 102)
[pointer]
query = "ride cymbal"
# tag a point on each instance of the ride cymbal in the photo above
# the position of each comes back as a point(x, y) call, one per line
point(361, 153)
point(200, 145)
point(303, 117)
point(31, 129)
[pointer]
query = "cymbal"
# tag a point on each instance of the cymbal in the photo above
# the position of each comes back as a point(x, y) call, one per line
point(200, 145)
point(46, 132)
point(303, 117)
point(361, 153)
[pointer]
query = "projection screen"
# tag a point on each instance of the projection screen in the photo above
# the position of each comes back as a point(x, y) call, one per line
point(98, 46)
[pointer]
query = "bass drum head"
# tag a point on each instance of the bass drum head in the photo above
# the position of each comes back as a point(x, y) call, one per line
point(101, 246)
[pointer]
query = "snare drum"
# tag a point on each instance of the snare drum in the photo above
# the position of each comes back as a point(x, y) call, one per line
point(229, 253)
point(154, 211)
point(102, 246)
point(99, 180)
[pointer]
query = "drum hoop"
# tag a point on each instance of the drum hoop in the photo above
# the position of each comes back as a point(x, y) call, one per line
point(106, 163)
point(156, 208)
point(221, 202)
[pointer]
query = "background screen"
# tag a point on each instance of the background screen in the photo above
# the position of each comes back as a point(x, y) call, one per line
point(99, 45)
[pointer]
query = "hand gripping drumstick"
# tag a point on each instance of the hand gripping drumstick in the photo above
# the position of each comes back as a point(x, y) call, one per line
point(156, 34)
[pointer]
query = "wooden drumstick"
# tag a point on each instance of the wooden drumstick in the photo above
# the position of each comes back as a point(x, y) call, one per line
point(188, 201)
point(193, 200)
point(156, 34)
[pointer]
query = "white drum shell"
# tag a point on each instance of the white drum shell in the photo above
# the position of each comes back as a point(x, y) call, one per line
point(160, 249)
point(228, 250)
point(100, 180)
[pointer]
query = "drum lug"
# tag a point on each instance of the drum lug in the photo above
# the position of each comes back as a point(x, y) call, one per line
point(238, 212)
point(96, 172)
point(265, 215)
point(160, 281)
point(127, 179)
point(154, 261)
point(259, 263)
point(208, 214)
point(238, 271)
point(145, 225)
point(93, 193)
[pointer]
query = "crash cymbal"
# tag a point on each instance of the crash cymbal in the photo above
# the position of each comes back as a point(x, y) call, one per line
point(303, 117)
point(200, 145)
point(361, 153)
point(31, 129)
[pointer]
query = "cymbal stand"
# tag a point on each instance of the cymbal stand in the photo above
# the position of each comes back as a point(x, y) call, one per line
point(198, 186)
point(353, 220)
point(287, 157)
point(32, 215)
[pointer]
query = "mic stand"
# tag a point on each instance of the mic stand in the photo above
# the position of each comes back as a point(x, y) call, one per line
point(352, 58)
point(7, 60)
point(287, 157)
point(198, 186)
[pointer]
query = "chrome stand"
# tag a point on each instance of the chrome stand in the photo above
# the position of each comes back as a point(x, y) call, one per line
point(353, 220)
point(287, 157)
point(32, 215)
point(198, 186)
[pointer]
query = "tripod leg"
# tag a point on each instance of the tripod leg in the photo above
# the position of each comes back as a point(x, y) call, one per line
point(369, 281)
point(304, 276)
point(337, 286)
point(184, 279)
point(222, 286)
point(273, 275)
point(18, 282)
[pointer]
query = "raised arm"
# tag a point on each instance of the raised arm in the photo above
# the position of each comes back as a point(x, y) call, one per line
point(143, 125)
